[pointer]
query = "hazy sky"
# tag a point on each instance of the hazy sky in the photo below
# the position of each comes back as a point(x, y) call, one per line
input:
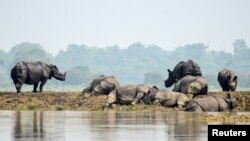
point(168, 23)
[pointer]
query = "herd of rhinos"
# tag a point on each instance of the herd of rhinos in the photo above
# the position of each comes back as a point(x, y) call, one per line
point(186, 77)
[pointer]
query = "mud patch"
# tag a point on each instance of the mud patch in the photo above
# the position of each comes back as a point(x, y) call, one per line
point(225, 118)
point(77, 102)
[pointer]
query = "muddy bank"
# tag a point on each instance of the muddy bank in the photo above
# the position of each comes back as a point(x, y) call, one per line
point(225, 118)
point(63, 101)
point(76, 101)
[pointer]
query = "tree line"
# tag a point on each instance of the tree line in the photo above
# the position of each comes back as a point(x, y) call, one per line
point(137, 63)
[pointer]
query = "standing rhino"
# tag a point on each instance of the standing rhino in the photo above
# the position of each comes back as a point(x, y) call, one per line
point(227, 80)
point(182, 69)
point(34, 72)
point(211, 103)
point(192, 85)
point(102, 85)
point(167, 98)
point(128, 94)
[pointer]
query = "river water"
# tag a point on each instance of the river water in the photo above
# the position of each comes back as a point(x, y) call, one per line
point(97, 126)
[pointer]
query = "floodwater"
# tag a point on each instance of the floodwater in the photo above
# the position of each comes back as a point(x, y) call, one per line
point(97, 126)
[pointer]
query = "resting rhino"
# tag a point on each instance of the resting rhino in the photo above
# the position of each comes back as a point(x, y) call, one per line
point(128, 94)
point(34, 72)
point(192, 85)
point(167, 98)
point(182, 69)
point(227, 80)
point(102, 85)
point(211, 103)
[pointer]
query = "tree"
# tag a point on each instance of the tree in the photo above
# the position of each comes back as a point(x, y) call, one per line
point(3, 56)
point(154, 78)
point(241, 56)
point(191, 51)
point(28, 52)
point(78, 75)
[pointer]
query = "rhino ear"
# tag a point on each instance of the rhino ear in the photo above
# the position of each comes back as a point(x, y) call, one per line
point(169, 70)
point(155, 87)
point(53, 67)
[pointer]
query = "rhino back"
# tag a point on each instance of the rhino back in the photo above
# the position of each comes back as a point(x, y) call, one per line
point(34, 71)
point(185, 82)
point(19, 73)
point(112, 80)
point(142, 88)
point(127, 93)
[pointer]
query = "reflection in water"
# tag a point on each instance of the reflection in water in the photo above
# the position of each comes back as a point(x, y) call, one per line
point(88, 126)
point(182, 123)
point(29, 126)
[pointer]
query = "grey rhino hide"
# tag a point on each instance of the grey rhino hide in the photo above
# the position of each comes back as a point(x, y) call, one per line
point(31, 70)
point(112, 80)
point(191, 68)
point(208, 103)
point(177, 72)
point(46, 70)
point(170, 98)
point(104, 84)
point(184, 85)
point(130, 93)
point(227, 80)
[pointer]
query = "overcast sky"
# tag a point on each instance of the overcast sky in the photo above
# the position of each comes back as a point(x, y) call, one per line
point(167, 23)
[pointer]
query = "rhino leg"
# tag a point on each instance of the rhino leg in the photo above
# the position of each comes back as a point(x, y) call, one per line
point(42, 84)
point(98, 90)
point(182, 101)
point(139, 96)
point(35, 87)
point(18, 87)
point(111, 99)
point(193, 106)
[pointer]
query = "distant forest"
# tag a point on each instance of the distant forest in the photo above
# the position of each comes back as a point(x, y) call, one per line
point(136, 64)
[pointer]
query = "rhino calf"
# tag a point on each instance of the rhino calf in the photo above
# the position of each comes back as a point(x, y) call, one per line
point(211, 103)
point(227, 80)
